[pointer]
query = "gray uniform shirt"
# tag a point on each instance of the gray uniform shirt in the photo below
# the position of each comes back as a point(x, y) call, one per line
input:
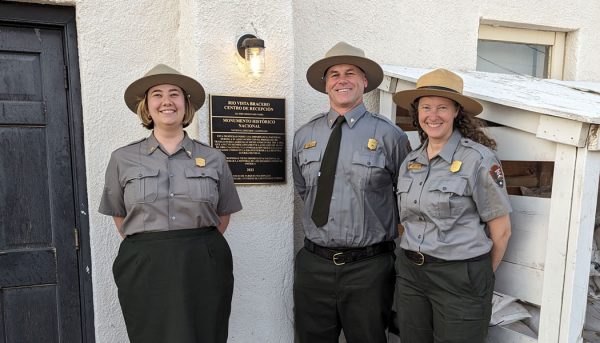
point(156, 191)
point(445, 202)
point(363, 210)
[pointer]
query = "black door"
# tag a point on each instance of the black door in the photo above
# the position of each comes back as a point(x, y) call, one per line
point(39, 272)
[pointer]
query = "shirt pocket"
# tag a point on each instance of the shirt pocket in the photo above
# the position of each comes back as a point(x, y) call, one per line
point(441, 192)
point(202, 184)
point(310, 163)
point(402, 196)
point(140, 186)
point(368, 170)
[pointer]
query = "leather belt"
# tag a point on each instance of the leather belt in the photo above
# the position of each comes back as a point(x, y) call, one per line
point(420, 259)
point(341, 256)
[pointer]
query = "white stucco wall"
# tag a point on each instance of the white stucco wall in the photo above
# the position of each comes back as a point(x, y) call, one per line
point(120, 40)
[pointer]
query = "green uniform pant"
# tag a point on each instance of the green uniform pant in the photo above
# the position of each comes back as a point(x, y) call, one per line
point(444, 302)
point(175, 286)
point(355, 296)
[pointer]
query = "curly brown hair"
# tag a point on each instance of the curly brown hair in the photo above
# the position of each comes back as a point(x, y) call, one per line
point(469, 126)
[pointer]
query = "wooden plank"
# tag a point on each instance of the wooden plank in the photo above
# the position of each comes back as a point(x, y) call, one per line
point(556, 245)
point(581, 232)
point(387, 107)
point(388, 84)
point(529, 221)
point(562, 130)
point(501, 334)
point(594, 138)
point(519, 281)
point(516, 118)
point(515, 145)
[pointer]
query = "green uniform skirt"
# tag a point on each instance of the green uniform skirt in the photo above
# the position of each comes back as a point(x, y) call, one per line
point(175, 286)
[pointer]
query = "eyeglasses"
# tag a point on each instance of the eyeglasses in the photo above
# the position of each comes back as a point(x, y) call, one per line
point(443, 109)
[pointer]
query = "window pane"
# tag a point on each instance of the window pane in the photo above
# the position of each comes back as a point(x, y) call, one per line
point(513, 58)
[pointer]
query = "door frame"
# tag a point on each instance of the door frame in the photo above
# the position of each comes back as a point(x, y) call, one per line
point(63, 18)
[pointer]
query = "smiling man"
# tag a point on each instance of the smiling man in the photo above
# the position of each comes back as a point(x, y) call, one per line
point(345, 166)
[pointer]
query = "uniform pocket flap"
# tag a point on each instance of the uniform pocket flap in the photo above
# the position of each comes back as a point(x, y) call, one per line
point(140, 173)
point(369, 159)
point(308, 156)
point(404, 185)
point(455, 185)
point(202, 172)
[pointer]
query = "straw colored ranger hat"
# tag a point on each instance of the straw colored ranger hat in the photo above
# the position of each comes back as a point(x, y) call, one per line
point(162, 74)
point(344, 53)
point(440, 82)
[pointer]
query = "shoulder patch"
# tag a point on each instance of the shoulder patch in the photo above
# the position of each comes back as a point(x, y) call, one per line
point(497, 174)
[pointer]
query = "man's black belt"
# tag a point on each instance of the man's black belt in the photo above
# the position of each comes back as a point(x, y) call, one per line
point(340, 256)
point(420, 259)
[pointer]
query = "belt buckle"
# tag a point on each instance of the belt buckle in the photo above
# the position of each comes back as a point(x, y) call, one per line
point(422, 257)
point(335, 257)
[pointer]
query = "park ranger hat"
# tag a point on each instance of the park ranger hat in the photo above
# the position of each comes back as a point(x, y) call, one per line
point(440, 82)
point(344, 53)
point(162, 74)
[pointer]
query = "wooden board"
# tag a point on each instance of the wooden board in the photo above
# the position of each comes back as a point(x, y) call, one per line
point(556, 245)
point(517, 145)
point(500, 334)
point(581, 231)
point(519, 281)
point(529, 221)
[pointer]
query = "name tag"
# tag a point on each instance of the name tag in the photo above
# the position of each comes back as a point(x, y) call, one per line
point(310, 144)
point(414, 166)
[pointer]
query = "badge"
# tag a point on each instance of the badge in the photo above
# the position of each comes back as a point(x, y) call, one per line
point(497, 175)
point(455, 166)
point(414, 166)
point(372, 144)
point(310, 144)
point(200, 162)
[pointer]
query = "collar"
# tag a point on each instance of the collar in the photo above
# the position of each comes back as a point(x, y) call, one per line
point(447, 152)
point(449, 148)
point(352, 116)
point(152, 144)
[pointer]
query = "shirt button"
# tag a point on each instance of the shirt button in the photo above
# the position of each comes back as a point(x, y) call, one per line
point(139, 175)
point(421, 218)
point(443, 188)
point(171, 195)
point(173, 218)
point(415, 201)
point(368, 163)
point(419, 237)
point(305, 160)
point(170, 157)
point(420, 183)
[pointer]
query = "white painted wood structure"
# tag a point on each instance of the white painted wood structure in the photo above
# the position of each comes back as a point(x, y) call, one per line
point(548, 259)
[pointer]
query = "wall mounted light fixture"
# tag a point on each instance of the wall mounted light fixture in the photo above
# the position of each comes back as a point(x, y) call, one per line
point(252, 49)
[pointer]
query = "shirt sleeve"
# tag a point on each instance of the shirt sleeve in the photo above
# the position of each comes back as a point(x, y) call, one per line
point(112, 203)
point(299, 182)
point(489, 193)
point(400, 153)
point(229, 200)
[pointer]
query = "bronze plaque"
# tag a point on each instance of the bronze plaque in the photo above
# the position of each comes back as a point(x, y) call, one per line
point(251, 134)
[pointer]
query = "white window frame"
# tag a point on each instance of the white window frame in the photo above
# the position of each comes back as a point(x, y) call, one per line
point(555, 40)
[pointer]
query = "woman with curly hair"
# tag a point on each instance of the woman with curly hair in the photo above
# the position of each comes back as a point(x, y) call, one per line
point(454, 209)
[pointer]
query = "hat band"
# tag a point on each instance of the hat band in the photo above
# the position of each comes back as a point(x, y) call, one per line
point(440, 89)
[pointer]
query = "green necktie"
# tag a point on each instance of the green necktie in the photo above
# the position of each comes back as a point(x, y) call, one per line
point(320, 213)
